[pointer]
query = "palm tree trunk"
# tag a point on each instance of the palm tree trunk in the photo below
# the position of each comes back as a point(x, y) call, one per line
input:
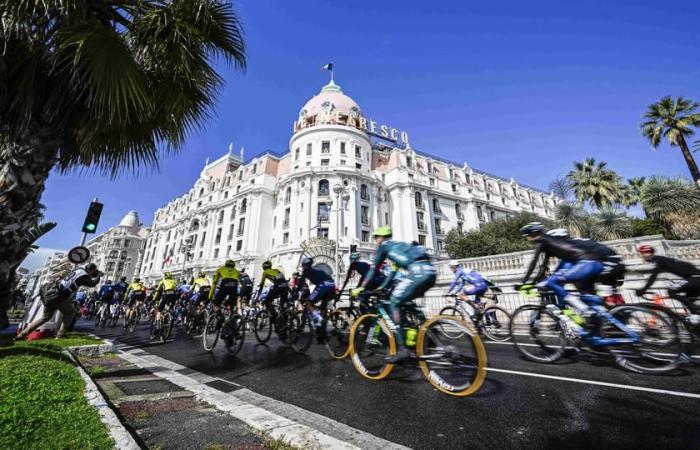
point(24, 167)
point(692, 166)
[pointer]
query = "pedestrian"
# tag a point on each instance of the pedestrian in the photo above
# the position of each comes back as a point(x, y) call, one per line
point(56, 296)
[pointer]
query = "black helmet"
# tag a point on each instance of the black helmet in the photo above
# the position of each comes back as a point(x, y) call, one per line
point(307, 261)
point(137, 280)
point(230, 263)
point(532, 228)
point(267, 265)
point(91, 267)
point(122, 279)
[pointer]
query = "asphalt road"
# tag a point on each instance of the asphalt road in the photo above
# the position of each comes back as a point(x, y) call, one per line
point(584, 402)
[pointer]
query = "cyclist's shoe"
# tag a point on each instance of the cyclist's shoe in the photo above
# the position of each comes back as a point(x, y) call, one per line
point(401, 355)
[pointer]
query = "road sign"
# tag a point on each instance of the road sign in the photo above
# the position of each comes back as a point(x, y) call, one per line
point(78, 255)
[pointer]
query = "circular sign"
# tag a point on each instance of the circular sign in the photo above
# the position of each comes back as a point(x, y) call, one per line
point(78, 255)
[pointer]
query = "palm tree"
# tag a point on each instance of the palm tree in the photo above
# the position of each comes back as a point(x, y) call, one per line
point(661, 196)
point(673, 119)
point(611, 223)
point(630, 192)
point(594, 183)
point(560, 187)
point(100, 84)
point(571, 216)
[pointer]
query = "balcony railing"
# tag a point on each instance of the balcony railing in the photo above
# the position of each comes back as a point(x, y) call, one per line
point(324, 192)
point(364, 197)
point(323, 218)
point(365, 221)
point(420, 207)
point(240, 232)
point(285, 224)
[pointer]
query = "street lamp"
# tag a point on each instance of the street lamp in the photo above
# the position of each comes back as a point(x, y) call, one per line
point(339, 189)
point(185, 248)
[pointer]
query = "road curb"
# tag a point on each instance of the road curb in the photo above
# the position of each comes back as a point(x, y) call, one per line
point(121, 436)
point(93, 349)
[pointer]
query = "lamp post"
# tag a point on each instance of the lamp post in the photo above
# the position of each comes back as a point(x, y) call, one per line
point(185, 248)
point(338, 190)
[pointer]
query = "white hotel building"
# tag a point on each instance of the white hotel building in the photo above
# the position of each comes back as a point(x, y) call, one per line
point(280, 206)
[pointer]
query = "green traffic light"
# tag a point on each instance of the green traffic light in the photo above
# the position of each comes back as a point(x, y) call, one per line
point(90, 227)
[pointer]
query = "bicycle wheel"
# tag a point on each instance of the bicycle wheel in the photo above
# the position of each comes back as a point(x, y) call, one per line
point(262, 326)
point(233, 335)
point(455, 366)
point(371, 342)
point(537, 334)
point(659, 348)
point(167, 320)
point(455, 313)
point(282, 325)
point(338, 333)
point(212, 331)
point(301, 332)
point(115, 318)
point(495, 323)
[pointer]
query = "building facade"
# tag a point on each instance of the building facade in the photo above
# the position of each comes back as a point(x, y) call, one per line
point(343, 175)
point(118, 251)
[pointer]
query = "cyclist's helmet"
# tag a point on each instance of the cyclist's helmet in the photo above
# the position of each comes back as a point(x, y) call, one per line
point(454, 263)
point(202, 274)
point(230, 263)
point(307, 261)
point(122, 279)
point(532, 228)
point(382, 232)
point(168, 276)
point(559, 232)
point(91, 267)
point(267, 265)
point(646, 249)
point(108, 282)
point(137, 280)
point(354, 256)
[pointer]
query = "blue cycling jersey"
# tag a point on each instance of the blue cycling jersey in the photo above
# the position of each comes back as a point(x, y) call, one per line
point(463, 277)
point(360, 267)
point(403, 254)
point(120, 287)
point(316, 276)
point(106, 290)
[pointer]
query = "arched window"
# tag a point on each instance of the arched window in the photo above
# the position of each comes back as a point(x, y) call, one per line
point(419, 200)
point(201, 192)
point(221, 216)
point(288, 195)
point(364, 193)
point(323, 187)
point(194, 226)
point(244, 205)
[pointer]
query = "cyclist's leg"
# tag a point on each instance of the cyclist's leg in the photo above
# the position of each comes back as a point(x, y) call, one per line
point(686, 293)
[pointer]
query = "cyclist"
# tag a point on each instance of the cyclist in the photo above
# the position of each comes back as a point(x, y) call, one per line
point(165, 292)
point(225, 283)
point(688, 292)
point(245, 289)
point(420, 277)
point(106, 294)
point(324, 290)
point(279, 284)
point(363, 269)
point(201, 287)
point(120, 288)
point(135, 295)
point(590, 261)
point(467, 282)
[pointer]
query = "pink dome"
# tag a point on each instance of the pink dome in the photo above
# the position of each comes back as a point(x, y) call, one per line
point(331, 99)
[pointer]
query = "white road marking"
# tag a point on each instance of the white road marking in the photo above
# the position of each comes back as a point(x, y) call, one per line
point(597, 383)
point(568, 348)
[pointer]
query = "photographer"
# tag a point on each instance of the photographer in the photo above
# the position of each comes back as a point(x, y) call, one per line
point(57, 297)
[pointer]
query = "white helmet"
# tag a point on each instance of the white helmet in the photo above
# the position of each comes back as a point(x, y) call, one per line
point(454, 263)
point(559, 232)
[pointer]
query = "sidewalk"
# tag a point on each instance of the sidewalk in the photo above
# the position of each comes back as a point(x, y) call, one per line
point(166, 416)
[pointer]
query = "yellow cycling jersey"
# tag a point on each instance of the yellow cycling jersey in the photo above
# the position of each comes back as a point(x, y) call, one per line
point(225, 273)
point(274, 275)
point(135, 287)
point(166, 284)
point(199, 283)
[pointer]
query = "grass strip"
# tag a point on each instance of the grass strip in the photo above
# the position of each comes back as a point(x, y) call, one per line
point(41, 399)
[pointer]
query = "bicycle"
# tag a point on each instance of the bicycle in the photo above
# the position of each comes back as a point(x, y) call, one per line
point(163, 327)
point(449, 351)
point(688, 329)
point(492, 320)
point(542, 333)
point(224, 325)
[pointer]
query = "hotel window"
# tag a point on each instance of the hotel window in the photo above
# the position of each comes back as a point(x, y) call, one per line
point(386, 218)
point(324, 212)
point(325, 147)
point(324, 188)
point(255, 169)
point(454, 188)
point(436, 206)
point(421, 239)
point(221, 216)
point(217, 239)
point(201, 253)
point(342, 148)
point(274, 222)
point(324, 162)
point(438, 226)
point(410, 177)
point(216, 253)
point(365, 236)
point(233, 211)
point(204, 236)
point(308, 163)
point(479, 213)
point(230, 233)
point(364, 214)
point(285, 238)
point(244, 205)
point(468, 178)
point(364, 194)
point(241, 225)
point(239, 245)
point(409, 161)
point(322, 233)
point(430, 167)
point(301, 207)
point(358, 166)
point(432, 182)
point(493, 216)
point(308, 149)
point(225, 195)
point(420, 221)
point(285, 223)
point(419, 200)
point(228, 250)
point(296, 154)
point(342, 162)
point(287, 195)
point(358, 151)
point(440, 246)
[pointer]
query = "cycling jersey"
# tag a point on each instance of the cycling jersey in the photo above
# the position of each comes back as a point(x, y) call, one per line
point(275, 276)
point(463, 277)
point(402, 254)
point(166, 285)
point(663, 264)
point(226, 277)
point(245, 281)
point(315, 276)
point(106, 292)
point(200, 283)
point(135, 287)
point(120, 289)
point(568, 249)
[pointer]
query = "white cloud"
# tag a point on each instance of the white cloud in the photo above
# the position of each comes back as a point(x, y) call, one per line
point(38, 258)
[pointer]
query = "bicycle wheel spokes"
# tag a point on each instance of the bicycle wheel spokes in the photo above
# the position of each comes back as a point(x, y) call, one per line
point(212, 330)
point(455, 313)
point(262, 326)
point(453, 362)
point(371, 342)
point(659, 347)
point(301, 333)
point(235, 335)
point(338, 334)
point(495, 323)
point(537, 334)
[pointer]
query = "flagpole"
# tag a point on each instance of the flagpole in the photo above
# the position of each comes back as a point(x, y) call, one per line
point(332, 73)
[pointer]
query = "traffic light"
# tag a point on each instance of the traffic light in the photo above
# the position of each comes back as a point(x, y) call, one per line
point(92, 217)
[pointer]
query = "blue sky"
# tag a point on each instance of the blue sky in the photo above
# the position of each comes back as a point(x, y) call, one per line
point(514, 88)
